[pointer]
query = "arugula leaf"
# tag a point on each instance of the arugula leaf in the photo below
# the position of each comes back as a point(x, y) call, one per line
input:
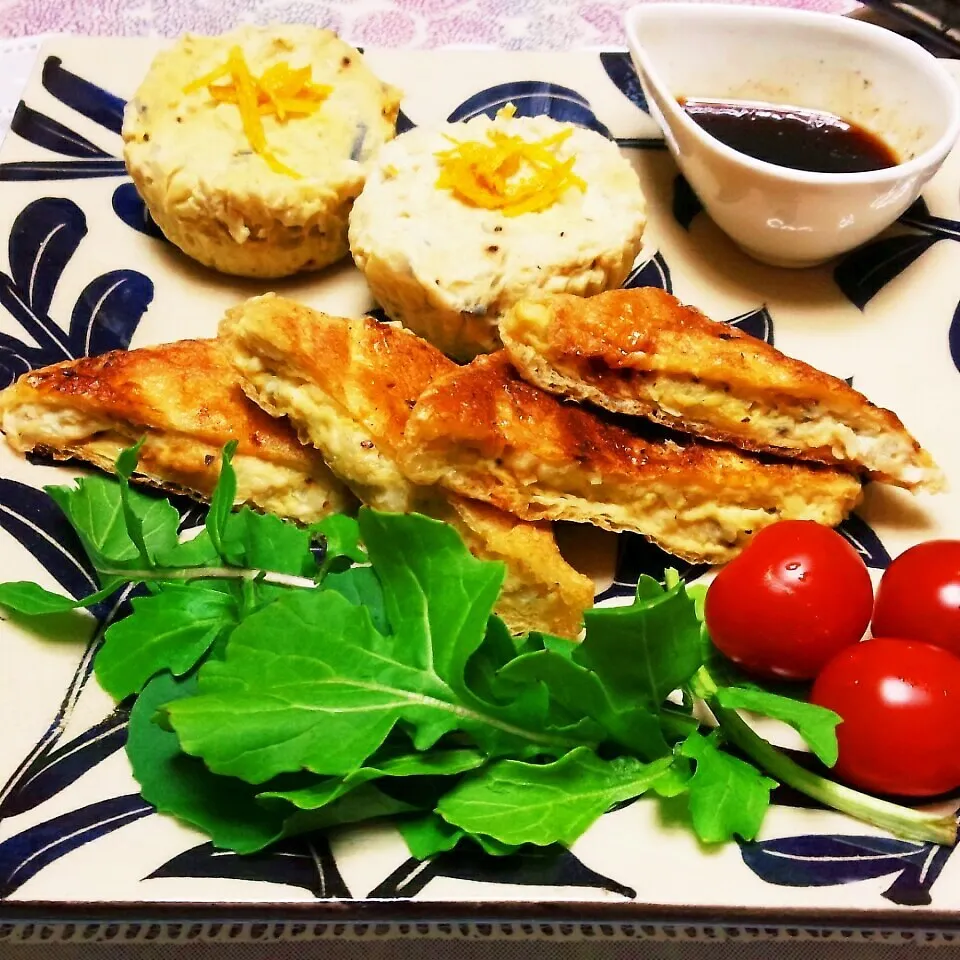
point(341, 536)
point(817, 725)
point(677, 722)
point(482, 674)
point(221, 503)
point(440, 597)
point(361, 586)
point(439, 763)
point(321, 792)
point(224, 808)
point(170, 630)
point(264, 542)
point(516, 802)
point(30, 598)
point(126, 464)
point(727, 796)
point(198, 551)
point(675, 780)
point(428, 834)
point(559, 645)
point(95, 510)
point(308, 683)
point(580, 690)
point(486, 677)
point(436, 593)
point(301, 686)
point(647, 650)
point(364, 803)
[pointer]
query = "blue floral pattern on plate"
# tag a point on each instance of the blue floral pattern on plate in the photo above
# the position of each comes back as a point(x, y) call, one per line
point(42, 241)
point(532, 98)
point(87, 160)
point(816, 861)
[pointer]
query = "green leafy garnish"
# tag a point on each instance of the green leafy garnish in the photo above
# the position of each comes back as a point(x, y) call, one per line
point(99, 509)
point(309, 683)
point(647, 650)
point(320, 793)
point(544, 803)
point(361, 586)
point(278, 693)
point(632, 725)
point(342, 537)
point(728, 797)
point(224, 808)
point(817, 725)
point(185, 622)
point(23, 596)
point(429, 834)
point(221, 503)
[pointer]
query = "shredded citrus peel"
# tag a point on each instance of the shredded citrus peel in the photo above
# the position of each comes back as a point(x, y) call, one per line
point(280, 91)
point(507, 173)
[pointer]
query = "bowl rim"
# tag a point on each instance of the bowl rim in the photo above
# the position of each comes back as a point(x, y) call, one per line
point(932, 67)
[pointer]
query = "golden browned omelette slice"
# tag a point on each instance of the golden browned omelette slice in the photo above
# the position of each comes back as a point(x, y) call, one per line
point(348, 386)
point(541, 590)
point(642, 352)
point(185, 399)
point(483, 432)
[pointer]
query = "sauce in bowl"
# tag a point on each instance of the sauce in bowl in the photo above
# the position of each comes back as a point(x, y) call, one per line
point(793, 137)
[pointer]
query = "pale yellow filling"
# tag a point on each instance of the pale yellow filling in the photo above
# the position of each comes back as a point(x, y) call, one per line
point(349, 450)
point(274, 488)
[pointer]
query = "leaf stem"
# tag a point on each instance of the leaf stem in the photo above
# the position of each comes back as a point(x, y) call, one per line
point(324, 567)
point(898, 820)
point(212, 573)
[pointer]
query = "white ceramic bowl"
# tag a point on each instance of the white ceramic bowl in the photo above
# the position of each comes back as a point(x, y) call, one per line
point(861, 72)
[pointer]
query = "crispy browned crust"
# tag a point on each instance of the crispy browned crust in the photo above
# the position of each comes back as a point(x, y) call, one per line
point(541, 590)
point(374, 373)
point(467, 429)
point(186, 387)
point(607, 348)
point(488, 407)
point(186, 392)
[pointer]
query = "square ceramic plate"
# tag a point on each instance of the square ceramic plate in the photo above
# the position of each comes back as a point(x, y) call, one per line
point(83, 271)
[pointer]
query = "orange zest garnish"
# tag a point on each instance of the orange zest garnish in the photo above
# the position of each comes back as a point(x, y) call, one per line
point(279, 92)
point(212, 77)
point(506, 172)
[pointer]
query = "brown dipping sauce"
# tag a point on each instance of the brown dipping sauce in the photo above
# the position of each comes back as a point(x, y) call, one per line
point(794, 137)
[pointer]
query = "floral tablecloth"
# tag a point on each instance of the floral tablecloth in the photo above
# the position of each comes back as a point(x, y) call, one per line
point(508, 24)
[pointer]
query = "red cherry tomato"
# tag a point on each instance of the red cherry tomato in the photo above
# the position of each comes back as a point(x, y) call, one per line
point(919, 596)
point(899, 701)
point(798, 594)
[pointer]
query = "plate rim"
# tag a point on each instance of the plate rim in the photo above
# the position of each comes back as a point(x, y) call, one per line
point(404, 910)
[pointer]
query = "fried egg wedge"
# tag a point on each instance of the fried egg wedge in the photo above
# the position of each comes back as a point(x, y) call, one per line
point(642, 352)
point(484, 432)
point(349, 386)
point(184, 399)
point(249, 148)
point(457, 223)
